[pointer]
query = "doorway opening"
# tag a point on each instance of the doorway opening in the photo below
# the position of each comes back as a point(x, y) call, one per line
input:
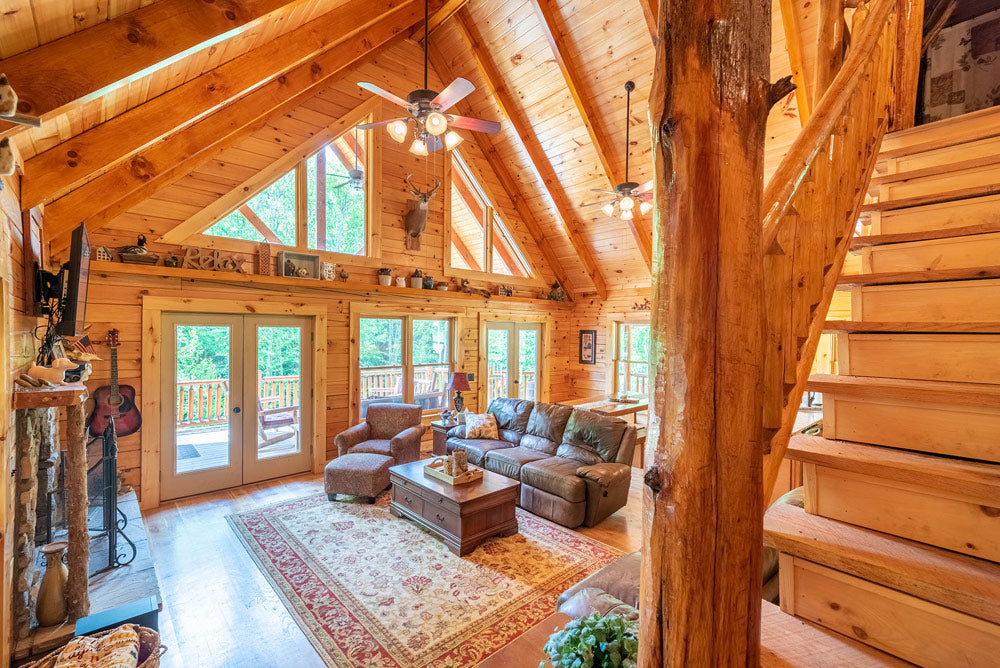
point(513, 360)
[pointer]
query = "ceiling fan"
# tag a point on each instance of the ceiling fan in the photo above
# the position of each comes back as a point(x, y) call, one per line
point(355, 177)
point(629, 193)
point(428, 112)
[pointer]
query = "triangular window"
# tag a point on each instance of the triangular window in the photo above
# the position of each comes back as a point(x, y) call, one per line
point(480, 241)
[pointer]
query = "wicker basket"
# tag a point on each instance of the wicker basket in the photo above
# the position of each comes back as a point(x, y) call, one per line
point(150, 650)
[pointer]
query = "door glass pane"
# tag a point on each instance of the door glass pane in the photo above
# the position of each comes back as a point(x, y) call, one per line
point(497, 360)
point(202, 397)
point(380, 358)
point(279, 388)
point(430, 363)
point(527, 355)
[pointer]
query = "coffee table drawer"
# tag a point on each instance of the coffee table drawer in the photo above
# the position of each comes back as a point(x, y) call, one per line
point(439, 517)
point(408, 499)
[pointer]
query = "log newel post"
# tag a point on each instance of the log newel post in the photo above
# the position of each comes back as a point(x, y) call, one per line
point(702, 504)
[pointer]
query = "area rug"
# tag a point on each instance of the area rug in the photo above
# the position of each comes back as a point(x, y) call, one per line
point(376, 591)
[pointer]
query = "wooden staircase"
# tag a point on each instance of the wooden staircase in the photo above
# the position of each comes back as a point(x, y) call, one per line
point(898, 544)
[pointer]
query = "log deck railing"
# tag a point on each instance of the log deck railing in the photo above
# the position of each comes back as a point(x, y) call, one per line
point(810, 210)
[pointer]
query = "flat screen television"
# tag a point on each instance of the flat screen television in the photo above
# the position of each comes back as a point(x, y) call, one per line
point(73, 291)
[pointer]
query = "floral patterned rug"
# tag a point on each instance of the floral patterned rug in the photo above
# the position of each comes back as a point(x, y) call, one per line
point(369, 589)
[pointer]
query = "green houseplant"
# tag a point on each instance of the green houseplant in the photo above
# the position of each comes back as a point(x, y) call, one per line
point(594, 642)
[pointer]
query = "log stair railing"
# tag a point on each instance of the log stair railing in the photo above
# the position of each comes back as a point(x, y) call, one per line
point(810, 210)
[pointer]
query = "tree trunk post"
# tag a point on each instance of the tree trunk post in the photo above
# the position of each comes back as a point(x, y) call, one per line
point(702, 507)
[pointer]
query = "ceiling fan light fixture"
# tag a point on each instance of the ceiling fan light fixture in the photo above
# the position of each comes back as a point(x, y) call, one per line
point(626, 203)
point(452, 139)
point(397, 130)
point(645, 207)
point(436, 123)
point(419, 147)
point(627, 214)
point(608, 209)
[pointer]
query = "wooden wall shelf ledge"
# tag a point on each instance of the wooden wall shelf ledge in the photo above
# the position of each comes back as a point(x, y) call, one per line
point(303, 284)
point(49, 397)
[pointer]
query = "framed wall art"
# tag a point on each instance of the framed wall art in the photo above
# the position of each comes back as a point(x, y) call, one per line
point(588, 346)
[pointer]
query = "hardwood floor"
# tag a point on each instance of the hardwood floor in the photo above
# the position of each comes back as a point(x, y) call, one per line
point(218, 610)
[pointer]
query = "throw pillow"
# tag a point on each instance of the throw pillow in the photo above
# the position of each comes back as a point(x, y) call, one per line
point(482, 426)
point(117, 649)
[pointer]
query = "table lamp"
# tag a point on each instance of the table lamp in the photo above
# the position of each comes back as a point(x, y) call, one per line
point(459, 383)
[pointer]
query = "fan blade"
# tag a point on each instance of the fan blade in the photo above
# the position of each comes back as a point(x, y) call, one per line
point(456, 90)
point(345, 183)
point(23, 119)
point(379, 124)
point(474, 124)
point(599, 203)
point(395, 99)
point(434, 143)
point(598, 190)
point(645, 187)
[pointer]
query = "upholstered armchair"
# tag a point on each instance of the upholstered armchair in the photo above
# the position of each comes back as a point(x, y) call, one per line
point(393, 430)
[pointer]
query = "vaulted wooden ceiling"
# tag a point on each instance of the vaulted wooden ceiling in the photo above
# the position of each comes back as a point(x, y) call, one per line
point(117, 79)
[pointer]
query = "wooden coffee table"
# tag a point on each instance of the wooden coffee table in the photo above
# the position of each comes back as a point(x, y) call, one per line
point(463, 515)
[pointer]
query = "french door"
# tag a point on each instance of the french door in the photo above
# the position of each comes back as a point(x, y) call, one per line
point(513, 361)
point(237, 402)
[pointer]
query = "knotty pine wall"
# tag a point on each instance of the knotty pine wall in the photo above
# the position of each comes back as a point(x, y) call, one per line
point(17, 352)
point(115, 298)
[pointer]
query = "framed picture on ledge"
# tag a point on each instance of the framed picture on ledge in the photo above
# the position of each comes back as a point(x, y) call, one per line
point(588, 346)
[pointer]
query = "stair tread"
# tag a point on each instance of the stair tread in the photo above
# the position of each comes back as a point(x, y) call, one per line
point(928, 327)
point(933, 276)
point(932, 198)
point(950, 579)
point(975, 479)
point(962, 129)
point(937, 169)
point(936, 391)
point(787, 641)
point(924, 235)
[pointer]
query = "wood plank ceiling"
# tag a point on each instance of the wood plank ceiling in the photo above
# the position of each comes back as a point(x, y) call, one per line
point(553, 71)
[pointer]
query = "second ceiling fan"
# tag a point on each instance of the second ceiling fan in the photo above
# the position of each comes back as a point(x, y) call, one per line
point(427, 110)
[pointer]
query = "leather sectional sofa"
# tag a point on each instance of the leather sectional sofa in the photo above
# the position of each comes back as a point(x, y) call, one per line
point(574, 465)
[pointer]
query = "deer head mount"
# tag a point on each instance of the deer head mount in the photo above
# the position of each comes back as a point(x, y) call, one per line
point(416, 215)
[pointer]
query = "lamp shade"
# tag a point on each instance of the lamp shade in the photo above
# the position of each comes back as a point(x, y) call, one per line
point(459, 382)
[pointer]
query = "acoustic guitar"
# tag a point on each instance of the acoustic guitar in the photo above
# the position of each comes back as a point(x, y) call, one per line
point(114, 401)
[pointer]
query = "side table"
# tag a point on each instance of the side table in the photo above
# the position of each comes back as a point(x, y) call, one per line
point(440, 429)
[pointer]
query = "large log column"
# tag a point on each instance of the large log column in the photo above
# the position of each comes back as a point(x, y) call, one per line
point(700, 587)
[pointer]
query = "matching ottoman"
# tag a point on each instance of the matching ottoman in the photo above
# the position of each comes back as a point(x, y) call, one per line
point(357, 474)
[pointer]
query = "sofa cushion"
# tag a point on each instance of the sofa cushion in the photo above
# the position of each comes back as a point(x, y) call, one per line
point(556, 475)
point(511, 436)
point(548, 421)
point(583, 456)
point(539, 444)
point(601, 434)
point(375, 446)
point(511, 413)
point(477, 447)
point(509, 461)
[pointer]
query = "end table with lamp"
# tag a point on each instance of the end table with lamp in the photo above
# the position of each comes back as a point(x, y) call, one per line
point(459, 383)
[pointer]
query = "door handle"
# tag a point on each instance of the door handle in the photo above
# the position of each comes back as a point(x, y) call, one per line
point(236, 409)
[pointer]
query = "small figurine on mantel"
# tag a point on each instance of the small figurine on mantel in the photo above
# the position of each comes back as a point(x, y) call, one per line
point(343, 275)
point(137, 253)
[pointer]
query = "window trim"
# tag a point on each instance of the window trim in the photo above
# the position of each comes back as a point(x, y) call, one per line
point(408, 315)
point(191, 231)
point(493, 218)
point(616, 356)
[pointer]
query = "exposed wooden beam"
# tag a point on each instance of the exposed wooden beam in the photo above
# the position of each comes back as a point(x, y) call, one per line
point(793, 45)
point(466, 254)
point(54, 172)
point(449, 9)
point(700, 576)
point(112, 53)
point(509, 185)
point(547, 12)
point(138, 178)
point(259, 224)
point(650, 10)
point(506, 254)
point(528, 139)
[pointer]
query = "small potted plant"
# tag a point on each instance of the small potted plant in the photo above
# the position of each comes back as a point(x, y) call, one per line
point(417, 279)
point(594, 642)
point(385, 276)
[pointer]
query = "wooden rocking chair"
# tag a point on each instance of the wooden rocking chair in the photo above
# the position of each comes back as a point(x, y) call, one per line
point(269, 419)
